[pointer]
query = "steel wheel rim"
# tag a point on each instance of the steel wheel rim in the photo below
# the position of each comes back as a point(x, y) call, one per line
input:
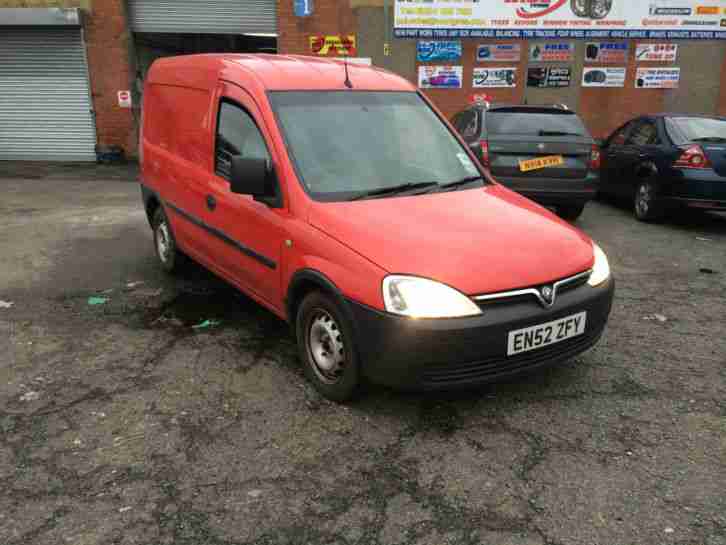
point(642, 203)
point(163, 242)
point(326, 348)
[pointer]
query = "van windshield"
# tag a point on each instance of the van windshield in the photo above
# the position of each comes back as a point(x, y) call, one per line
point(347, 144)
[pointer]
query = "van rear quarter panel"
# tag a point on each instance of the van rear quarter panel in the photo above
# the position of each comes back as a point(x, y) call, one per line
point(177, 153)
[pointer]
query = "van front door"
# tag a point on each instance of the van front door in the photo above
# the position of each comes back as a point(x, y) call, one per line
point(249, 233)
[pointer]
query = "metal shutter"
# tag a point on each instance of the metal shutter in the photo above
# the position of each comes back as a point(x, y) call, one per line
point(45, 107)
point(208, 17)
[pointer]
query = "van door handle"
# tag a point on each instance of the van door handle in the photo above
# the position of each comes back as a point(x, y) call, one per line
point(211, 202)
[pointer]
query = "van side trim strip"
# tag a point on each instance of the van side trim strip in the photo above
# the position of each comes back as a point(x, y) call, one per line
point(266, 261)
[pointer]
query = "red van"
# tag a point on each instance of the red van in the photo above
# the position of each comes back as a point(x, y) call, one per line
point(337, 196)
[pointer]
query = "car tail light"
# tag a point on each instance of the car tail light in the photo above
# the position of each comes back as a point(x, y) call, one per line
point(594, 158)
point(484, 152)
point(693, 157)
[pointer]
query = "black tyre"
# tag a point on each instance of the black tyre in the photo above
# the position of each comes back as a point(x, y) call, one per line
point(645, 201)
point(579, 7)
point(166, 250)
point(570, 212)
point(326, 346)
point(599, 9)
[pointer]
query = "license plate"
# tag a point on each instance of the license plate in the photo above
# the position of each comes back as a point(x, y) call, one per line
point(531, 338)
point(541, 162)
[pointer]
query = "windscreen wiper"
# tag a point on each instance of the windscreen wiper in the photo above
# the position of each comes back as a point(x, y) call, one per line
point(458, 183)
point(558, 133)
point(710, 139)
point(393, 190)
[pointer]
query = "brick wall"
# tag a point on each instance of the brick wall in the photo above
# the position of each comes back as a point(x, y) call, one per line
point(329, 17)
point(108, 43)
point(451, 101)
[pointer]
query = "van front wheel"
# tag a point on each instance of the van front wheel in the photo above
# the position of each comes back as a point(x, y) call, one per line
point(325, 343)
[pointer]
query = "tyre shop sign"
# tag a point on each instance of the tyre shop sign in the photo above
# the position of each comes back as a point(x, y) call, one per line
point(333, 46)
point(606, 52)
point(533, 19)
point(440, 77)
point(499, 53)
point(438, 51)
point(494, 77)
point(656, 52)
point(603, 77)
point(657, 78)
point(551, 52)
point(549, 76)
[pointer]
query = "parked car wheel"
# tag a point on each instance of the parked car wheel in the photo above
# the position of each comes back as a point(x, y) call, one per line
point(570, 211)
point(645, 202)
point(326, 344)
point(164, 243)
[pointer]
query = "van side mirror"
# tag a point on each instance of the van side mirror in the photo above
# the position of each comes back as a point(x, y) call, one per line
point(255, 177)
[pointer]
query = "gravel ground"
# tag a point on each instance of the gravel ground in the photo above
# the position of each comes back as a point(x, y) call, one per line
point(122, 423)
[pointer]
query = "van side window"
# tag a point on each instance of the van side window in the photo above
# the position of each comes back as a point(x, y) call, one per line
point(237, 134)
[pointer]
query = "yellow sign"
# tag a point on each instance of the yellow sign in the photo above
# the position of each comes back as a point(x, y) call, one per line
point(541, 162)
point(333, 45)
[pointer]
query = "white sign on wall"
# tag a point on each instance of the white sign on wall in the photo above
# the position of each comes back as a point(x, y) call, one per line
point(494, 77)
point(603, 77)
point(124, 99)
point(657, 78)
point(440, 77)
point(656, 52)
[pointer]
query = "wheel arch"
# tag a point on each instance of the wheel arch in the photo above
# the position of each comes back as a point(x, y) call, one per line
point(151, 203)
point(305, 281)
point(647, 169)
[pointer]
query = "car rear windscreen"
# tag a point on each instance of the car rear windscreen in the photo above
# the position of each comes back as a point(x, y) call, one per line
point(698, 128)
point(535, 123)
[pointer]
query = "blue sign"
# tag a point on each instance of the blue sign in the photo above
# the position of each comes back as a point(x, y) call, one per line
point(303, 8)
point(438, 51)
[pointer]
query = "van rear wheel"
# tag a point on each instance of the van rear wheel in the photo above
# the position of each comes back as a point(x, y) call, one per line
point(326, 347)
point(169, 257)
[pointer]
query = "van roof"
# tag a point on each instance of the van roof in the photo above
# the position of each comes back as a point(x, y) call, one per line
point(272, 72)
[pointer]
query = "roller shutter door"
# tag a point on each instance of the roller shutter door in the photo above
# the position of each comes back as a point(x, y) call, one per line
point(45, 107)
point(208, 17)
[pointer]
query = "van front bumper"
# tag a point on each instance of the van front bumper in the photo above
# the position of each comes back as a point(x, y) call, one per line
point(463, 352)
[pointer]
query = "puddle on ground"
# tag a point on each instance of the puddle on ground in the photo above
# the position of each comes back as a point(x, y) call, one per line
point(204, 308)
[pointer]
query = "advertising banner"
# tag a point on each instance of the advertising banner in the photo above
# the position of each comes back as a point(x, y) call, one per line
point(499, 53)
point(656, 52)
point(549, 76)
point(495, 77)
point(332, 46)
point(551, 52)
point(608, 53)
point(603, 77)
point(440, 77)
point(558, 19)
point(657, 78)
point(438, 51)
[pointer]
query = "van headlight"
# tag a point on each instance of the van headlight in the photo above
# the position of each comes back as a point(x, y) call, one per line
point(422, 298)
point(601, 268)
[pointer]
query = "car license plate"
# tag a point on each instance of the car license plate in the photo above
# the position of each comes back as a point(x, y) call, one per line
point(541, 162)
point(531, 338)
